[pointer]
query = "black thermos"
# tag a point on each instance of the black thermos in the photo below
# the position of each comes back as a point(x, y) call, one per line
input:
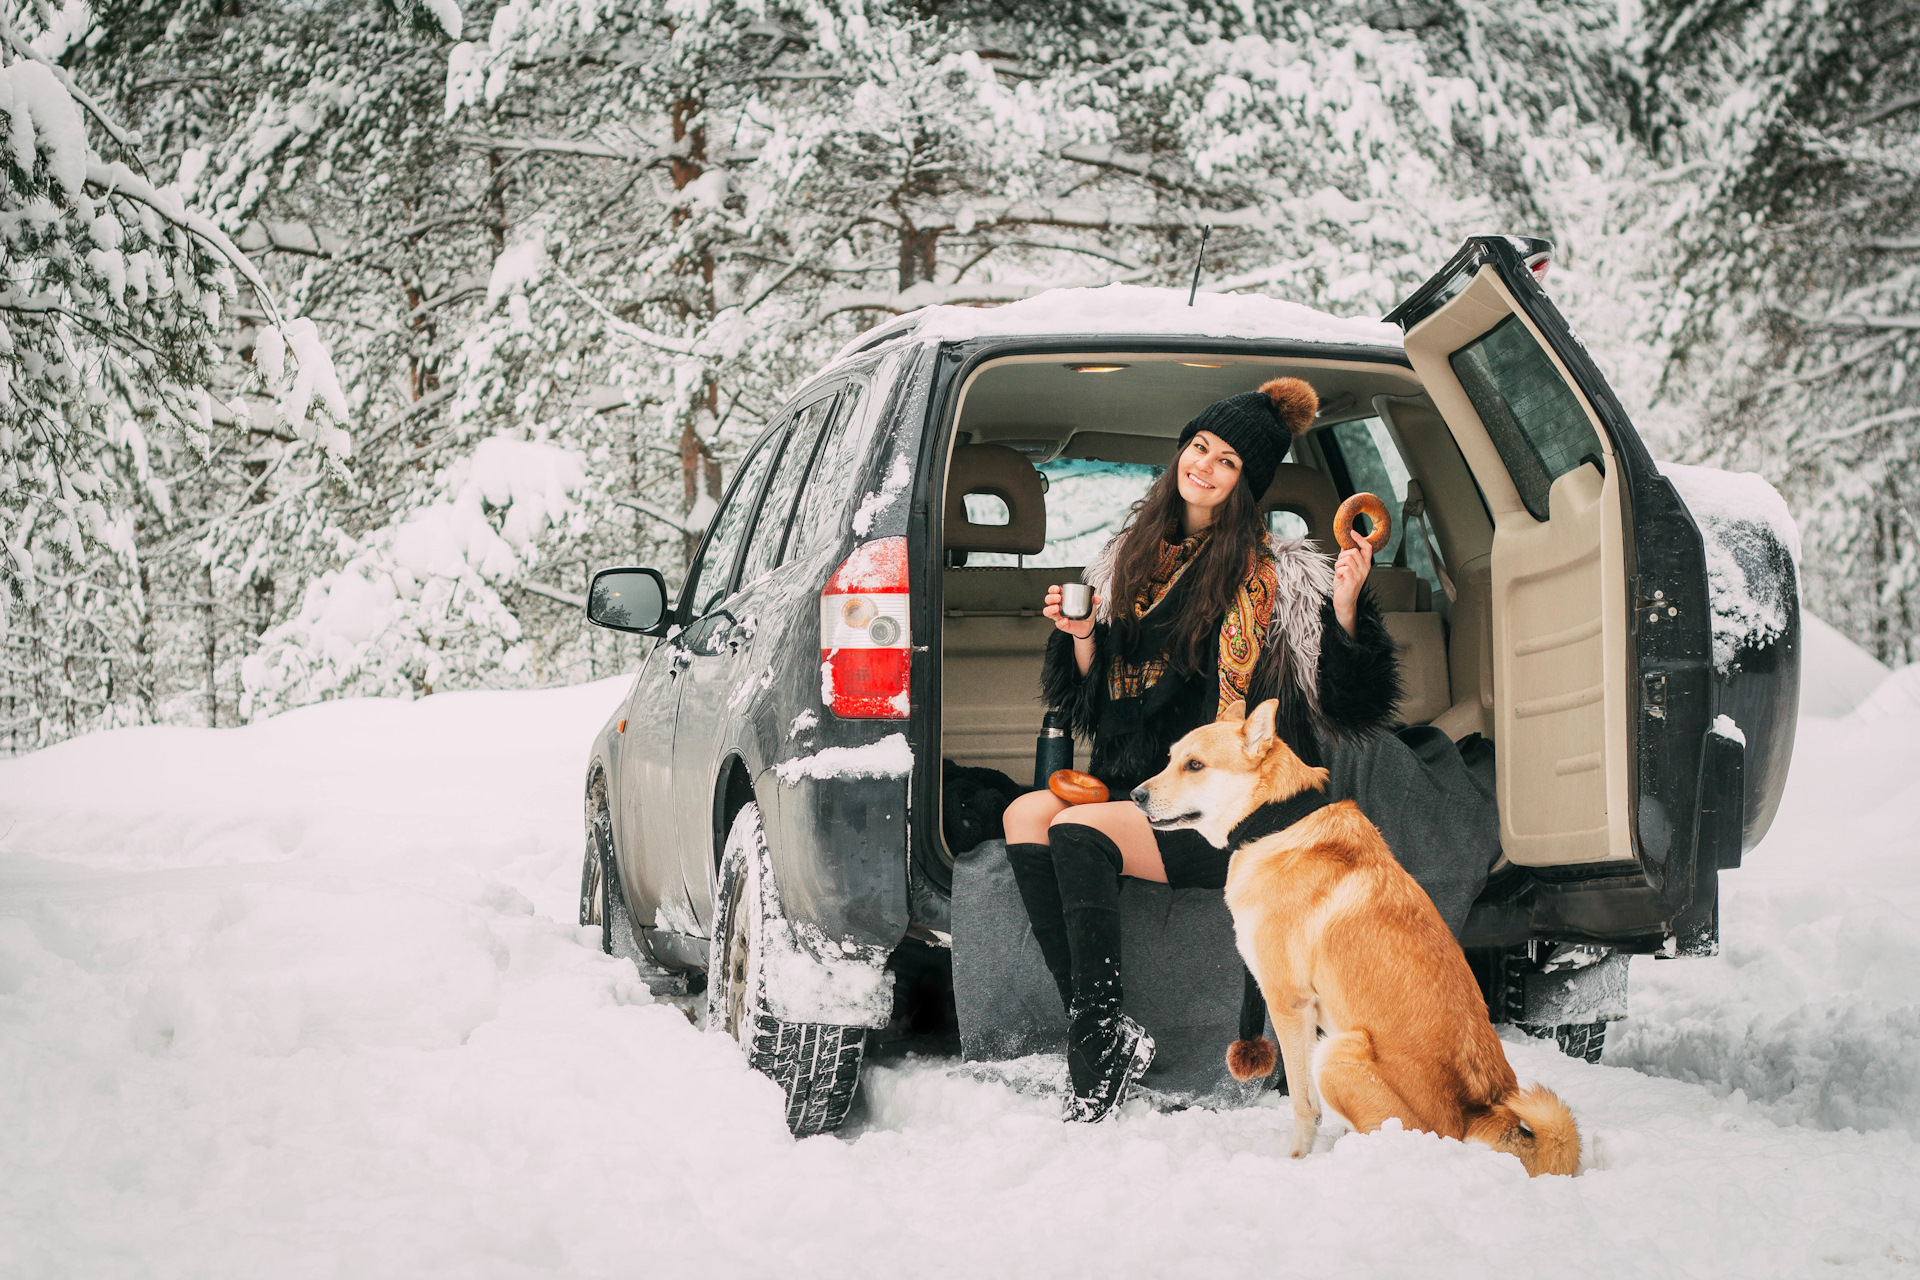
point(1052, 750)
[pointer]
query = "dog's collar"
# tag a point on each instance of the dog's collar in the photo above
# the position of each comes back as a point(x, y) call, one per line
point(1276, 815)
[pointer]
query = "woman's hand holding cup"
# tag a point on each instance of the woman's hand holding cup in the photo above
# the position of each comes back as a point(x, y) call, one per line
point(1070, 607)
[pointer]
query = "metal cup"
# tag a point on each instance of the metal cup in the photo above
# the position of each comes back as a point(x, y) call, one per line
point(1076, 600)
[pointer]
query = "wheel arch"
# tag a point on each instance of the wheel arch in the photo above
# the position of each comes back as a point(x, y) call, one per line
point(732, 793)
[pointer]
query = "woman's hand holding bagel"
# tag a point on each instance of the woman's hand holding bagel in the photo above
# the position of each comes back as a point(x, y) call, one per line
point(1379, 523)
point(1356, 559)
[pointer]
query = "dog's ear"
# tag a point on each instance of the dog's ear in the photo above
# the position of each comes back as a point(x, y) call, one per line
point(1259, 732)
point(1235, 711)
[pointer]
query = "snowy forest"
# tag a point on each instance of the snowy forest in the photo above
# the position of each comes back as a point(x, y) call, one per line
point(341, 339)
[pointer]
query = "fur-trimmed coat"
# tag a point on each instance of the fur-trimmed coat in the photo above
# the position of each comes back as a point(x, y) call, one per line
point(1332, 687)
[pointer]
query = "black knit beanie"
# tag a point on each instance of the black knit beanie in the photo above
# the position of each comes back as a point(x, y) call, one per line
point(1259, 426)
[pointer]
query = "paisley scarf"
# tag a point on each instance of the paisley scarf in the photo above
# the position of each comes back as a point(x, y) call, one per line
point(1242, 631)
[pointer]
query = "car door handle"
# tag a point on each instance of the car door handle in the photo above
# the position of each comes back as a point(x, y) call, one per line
point(677, 661)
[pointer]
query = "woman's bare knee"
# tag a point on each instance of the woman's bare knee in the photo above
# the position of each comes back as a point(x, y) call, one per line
point(1028, 817)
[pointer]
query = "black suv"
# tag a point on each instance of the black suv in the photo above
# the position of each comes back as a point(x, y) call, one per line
point(765, 806)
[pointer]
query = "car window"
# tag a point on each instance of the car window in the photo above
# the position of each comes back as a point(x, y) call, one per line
point(1087, 503)
point(1367, 454)
point(1539, 426)
point(770, 527)
point(710, 581)
point(827, 487)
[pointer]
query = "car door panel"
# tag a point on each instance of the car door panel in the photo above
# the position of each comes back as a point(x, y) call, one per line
point(1560, 614)
point(649, 860)
point(1672, 807)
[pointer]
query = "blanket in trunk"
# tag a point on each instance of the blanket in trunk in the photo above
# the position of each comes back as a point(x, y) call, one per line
point(1434, 803)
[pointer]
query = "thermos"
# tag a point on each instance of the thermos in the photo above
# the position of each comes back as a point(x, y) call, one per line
point(1052, 750)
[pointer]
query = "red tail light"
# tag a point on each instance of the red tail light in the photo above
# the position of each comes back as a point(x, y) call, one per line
point(865, 645)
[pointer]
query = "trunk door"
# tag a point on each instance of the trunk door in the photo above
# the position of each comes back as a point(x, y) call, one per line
point(1600, 614)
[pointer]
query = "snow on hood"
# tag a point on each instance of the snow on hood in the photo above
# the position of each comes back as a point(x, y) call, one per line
point(1137, 309)
point(1751, 603)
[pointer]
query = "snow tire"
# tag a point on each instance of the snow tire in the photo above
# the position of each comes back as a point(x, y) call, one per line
point(817, 1065)
point(602, 901)
point(1583, 1040)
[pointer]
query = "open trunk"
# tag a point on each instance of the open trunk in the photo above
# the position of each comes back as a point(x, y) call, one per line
point(1046, 451)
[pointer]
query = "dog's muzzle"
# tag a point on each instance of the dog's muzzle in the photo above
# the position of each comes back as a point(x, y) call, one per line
point(1141, 797)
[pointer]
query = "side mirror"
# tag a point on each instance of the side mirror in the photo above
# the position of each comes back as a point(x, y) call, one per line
point(628, 600)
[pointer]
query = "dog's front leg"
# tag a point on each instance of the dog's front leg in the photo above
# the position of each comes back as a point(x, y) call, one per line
point(1293, 1023)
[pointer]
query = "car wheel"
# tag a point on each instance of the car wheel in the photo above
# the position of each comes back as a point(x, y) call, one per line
point(817, 1065)
point(1584, 1040)
point(602, 901)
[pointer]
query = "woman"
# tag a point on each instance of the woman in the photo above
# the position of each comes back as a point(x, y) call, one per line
point(1194, 609)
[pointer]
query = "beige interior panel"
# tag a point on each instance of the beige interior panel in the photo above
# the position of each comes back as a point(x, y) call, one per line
point(1422, 642)
point(1558, 613)
point(994, 638)
point(1036, 403)
point(1470, 655)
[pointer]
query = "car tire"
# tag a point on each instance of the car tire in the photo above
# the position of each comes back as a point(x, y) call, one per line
point(817, 1065)
point(602, 901)
point(1583, 1040)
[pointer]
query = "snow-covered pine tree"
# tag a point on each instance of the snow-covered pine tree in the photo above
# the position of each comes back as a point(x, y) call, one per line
point(114, 294)
point(569, 268)
point(1797, 308)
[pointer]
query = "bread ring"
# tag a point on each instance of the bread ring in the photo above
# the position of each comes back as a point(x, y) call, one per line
point(1077, 788)
point(1374, 510)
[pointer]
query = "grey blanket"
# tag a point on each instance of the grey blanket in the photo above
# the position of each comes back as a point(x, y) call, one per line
point(1183, 978)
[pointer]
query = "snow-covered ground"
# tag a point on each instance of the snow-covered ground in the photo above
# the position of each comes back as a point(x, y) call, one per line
point(306, 999)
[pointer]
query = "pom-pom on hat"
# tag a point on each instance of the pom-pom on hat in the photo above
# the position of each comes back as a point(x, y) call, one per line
point(1259, 426)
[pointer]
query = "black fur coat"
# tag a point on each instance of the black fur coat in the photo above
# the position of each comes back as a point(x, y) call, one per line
point(1332, 687)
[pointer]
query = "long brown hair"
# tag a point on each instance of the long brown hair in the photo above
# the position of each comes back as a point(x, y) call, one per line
point(1215, 576)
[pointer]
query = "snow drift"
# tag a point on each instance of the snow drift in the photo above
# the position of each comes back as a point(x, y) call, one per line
point(306, 999)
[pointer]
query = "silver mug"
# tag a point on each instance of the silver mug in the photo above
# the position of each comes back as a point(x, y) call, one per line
point(1076, 600)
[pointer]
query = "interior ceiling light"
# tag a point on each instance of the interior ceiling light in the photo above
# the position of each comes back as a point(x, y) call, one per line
point(1200, 364)
point(1096, 368)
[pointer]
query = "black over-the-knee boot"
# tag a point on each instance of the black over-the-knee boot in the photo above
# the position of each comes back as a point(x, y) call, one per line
point(1040, 891)
point(1106, 1050)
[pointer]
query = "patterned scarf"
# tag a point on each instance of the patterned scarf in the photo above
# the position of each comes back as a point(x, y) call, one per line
point(1242, 631)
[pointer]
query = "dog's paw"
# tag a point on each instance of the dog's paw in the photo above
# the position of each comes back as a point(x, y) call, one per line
point(1304, 1132)
point(1251, 1059)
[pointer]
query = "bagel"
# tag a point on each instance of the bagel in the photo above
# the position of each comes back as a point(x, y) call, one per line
point(1077, 788)
point(1374, 510)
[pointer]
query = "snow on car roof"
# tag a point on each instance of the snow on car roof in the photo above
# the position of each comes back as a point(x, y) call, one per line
point(1136, 309)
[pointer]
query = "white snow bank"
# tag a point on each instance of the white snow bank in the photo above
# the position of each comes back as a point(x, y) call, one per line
point(890, 757)
point(1811, 1013)
point(1836, 675)
point(373, 1043)
point(1133, 309)
point(1895, 698)
point(1751, 603)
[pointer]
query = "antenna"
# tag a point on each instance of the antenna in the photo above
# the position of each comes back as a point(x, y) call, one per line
point(1206, 229)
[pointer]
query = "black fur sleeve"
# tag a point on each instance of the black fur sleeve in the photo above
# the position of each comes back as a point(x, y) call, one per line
point(1063, 688)
point(1359, 673)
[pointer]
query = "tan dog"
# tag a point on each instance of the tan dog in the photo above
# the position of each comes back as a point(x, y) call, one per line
point(1342, 939)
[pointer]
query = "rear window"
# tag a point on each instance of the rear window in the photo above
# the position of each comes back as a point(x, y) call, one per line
point(1537, 423)
point(1087, 502)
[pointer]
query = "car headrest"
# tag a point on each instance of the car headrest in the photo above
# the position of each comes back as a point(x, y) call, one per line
point(1307, 493)
point(997, 470)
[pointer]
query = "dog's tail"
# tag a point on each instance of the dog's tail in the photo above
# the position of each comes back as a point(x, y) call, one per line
point(1534, 1125)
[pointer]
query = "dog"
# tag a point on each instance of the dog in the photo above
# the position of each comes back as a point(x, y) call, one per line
point(1343, 941)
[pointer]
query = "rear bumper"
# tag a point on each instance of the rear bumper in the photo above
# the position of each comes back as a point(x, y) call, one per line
point(1623, 909)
